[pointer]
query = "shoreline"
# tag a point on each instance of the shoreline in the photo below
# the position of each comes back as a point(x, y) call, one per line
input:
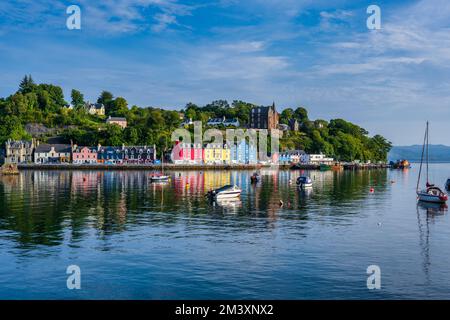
point(188, 167)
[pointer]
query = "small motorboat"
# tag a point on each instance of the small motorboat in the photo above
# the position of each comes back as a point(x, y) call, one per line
point(447, 185)
point(159, 178)
point(226, 192)
point(255, 178)
point(304, 182)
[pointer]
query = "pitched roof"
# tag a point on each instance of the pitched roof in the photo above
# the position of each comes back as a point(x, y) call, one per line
point(116, 119)
point(61, 148)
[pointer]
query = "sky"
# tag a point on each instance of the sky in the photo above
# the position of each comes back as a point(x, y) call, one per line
point(312, 53)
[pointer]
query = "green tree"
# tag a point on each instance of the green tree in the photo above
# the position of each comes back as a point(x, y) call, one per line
point(27, 85)
point(77, 98)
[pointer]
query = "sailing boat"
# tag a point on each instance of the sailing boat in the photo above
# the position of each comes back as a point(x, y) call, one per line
point(160, 177)
point(431, 193)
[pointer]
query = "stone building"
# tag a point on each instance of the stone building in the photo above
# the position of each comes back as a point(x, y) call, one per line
point(19, 151)
point(264, 117)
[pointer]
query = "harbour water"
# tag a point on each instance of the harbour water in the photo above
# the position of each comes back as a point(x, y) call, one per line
point(136, 240)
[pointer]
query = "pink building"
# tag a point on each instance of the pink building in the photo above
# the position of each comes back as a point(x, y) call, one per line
point(121, 122)
point(81, 155)
point(188, 153)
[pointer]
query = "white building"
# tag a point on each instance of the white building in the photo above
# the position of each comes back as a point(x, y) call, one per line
point(320, 159)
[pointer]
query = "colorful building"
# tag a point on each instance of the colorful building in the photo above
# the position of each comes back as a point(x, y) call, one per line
point(110, 155)
point(19, 151)
point(121, 122)
point(188, 153)
point(138, 155)
point(243, 153)
point(214, 154)
point(95, 109)
point(293, 156)
point(52, 153)
point(84, 155)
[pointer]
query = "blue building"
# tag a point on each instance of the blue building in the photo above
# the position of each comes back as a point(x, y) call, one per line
point(293, 156)
point(244, 153)
point(110, 155)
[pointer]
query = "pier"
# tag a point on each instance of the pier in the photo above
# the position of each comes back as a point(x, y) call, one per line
point(190, 167)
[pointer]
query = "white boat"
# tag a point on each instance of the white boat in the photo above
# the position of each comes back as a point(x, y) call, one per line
point(304, 182)
point(226, 192)
point(431, 193)
point(159, 178)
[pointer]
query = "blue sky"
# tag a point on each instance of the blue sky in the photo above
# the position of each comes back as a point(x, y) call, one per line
point(312, 53)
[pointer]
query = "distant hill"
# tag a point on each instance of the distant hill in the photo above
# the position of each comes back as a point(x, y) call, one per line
point(438, 153)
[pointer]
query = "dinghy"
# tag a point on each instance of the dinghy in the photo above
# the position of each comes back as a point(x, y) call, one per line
point(430, 193)
point(304, 182)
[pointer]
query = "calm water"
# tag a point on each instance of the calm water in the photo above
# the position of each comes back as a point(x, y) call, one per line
point(136, 240)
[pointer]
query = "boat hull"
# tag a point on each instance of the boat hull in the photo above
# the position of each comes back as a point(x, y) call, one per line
point(228, 195)
point(160, 179)
point(425, 197)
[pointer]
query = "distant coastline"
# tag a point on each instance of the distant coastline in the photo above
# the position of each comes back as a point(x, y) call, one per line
point(438, 153)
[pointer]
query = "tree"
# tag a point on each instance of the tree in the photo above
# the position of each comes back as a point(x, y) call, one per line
point(286, 115)
point(77, 98)
point(301, 114)
point(105, 97)
point(112, 136)
point(118, 107)
point(27, 85)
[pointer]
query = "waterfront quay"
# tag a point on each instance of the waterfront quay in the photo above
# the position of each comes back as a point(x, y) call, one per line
point(193, 167)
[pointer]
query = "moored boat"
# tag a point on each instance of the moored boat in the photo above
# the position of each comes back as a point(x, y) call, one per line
point(304, 182)
point(324, 167)
point(400, 164)
point(337, 167)
point(229, 191)
point(431, 193)
point(255, 178)
point(159, 178)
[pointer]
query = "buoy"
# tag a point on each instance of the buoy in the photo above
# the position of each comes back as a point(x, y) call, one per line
point(379, 224)
point(372, 190)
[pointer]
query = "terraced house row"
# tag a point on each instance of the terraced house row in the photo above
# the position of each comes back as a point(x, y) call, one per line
point(17, 152)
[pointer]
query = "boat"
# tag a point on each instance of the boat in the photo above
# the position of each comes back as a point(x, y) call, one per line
point(304, 182)
point(400, 164)
point(337, 167)
point(447, 184)
point(324, 167)
point(255, 178)
point(225, 192)
point(160, 177)
point(431, 193)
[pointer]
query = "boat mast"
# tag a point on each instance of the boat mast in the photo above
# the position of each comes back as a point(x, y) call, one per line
point(428, 154)
point(421, 158)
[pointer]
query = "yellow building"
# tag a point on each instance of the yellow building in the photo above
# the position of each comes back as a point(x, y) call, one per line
point(226, 154)
point(216, 153)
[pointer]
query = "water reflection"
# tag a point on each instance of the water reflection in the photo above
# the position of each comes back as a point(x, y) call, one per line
point(40, 206)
